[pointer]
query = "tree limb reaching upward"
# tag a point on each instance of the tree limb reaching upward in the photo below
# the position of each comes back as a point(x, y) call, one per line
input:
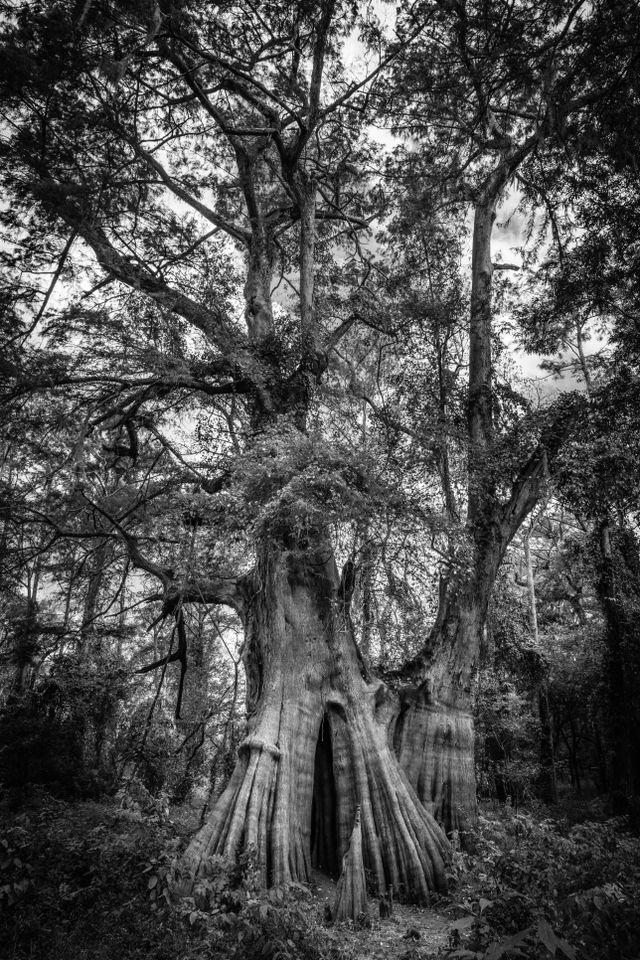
point(215, 326)
point(232, 229)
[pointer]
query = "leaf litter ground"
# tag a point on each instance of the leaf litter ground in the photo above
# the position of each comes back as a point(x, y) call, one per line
point(411, 933)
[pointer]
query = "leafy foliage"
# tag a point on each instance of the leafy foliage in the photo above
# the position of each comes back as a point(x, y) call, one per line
point(74, 879)
point(536, 885)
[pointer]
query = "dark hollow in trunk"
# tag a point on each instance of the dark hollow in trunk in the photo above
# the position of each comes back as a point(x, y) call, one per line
point(324, 807)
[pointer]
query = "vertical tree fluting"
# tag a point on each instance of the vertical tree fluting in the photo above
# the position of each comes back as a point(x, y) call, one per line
point(434, 735)
point(305, 683)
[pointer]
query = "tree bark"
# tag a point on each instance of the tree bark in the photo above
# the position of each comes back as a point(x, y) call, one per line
point(257, 295)
point(351, 893)
point(305, 692)
point(434, 735)
point(307, 265)
point(548, 784)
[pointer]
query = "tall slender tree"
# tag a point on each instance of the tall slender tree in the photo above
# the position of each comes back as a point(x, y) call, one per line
point(493, 91)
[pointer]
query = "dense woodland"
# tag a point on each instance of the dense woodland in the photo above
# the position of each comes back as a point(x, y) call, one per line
point(320, 449)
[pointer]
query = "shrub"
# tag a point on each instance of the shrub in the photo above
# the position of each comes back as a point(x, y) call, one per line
point(534, 886)
point(72, 881)
point(240, 918)
point(90, 881)
point(60, 734)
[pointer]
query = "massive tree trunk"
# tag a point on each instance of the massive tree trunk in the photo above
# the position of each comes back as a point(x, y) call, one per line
point(434, 735)
point(318, 742)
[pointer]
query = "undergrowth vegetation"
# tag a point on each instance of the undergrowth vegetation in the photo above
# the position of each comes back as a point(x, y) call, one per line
point(536, 886)
point(96, 880)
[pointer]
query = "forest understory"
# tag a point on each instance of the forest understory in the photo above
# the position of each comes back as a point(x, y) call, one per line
point(96, 879)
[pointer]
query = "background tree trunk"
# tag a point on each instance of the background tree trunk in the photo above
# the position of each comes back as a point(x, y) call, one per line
point(548, 784)
point(617, 590)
